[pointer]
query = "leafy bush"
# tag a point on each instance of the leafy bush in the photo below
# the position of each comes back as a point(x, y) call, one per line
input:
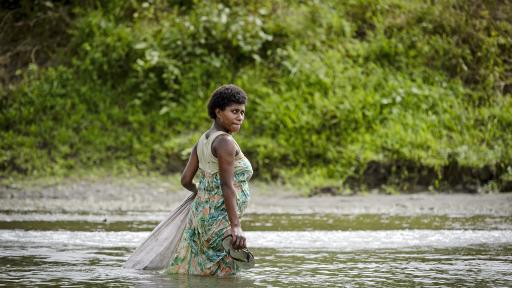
point(336, 88)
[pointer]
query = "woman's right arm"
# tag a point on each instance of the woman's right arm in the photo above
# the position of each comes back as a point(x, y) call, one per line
point(190, 171)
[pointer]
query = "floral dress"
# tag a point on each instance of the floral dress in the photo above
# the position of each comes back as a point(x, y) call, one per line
point(200, 250)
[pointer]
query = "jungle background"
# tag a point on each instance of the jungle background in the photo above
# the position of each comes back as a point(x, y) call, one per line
point(343, 95)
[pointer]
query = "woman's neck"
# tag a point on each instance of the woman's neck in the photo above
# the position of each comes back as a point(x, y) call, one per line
point(217, 126)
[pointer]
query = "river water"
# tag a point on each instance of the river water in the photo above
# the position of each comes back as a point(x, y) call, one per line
point(310, 250)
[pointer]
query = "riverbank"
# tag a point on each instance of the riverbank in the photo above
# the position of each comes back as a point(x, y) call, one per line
point(157, 193)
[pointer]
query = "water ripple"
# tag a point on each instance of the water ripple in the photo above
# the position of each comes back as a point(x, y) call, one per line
point(317, 240)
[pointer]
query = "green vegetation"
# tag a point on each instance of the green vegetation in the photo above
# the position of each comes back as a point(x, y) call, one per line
point(344, 94)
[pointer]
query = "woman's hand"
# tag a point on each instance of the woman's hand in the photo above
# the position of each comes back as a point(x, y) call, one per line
point(239, 240)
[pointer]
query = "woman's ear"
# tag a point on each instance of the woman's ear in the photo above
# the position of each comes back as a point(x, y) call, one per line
point(217, 112)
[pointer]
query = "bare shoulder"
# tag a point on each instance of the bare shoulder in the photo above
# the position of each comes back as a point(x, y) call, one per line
point(224, 144)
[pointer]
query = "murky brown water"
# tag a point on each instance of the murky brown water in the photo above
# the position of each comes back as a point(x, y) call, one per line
point(291, 251)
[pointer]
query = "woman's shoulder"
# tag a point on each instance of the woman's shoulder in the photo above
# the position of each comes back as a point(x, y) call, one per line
point(225, 141)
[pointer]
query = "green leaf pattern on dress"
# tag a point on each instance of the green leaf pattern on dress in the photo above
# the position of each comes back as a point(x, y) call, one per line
point(200, 251)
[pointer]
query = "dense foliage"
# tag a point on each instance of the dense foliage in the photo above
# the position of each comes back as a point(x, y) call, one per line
point(355, 93)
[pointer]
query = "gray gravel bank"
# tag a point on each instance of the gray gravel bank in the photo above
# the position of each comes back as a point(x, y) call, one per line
point(118, 195)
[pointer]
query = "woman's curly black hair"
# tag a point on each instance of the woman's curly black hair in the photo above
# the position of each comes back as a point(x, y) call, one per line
point(224, 96)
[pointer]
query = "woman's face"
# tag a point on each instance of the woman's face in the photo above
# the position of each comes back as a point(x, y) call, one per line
point(232, 117)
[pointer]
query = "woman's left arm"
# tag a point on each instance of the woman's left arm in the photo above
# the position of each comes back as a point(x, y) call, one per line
point(226, 151)
point(190, 171)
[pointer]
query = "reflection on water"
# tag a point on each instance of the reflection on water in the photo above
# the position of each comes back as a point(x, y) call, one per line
point(436, 252)
point(146, 221)
point(463, 266)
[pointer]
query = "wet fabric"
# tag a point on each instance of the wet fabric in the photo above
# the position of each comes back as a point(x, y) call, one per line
point(200, 250)
point(158, 249)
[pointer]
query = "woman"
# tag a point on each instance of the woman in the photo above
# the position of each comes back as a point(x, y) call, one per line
point(222, 192)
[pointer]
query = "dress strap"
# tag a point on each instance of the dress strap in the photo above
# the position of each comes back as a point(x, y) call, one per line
point(214, 135)
point(208, 162)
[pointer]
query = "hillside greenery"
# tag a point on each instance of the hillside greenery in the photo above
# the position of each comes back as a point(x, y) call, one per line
point(343, 95)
